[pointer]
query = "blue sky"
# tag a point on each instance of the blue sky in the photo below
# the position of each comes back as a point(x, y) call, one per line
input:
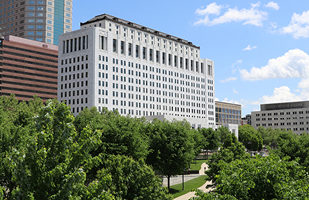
point(260, 48)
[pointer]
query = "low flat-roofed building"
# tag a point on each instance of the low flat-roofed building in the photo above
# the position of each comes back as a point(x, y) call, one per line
point(290, 116)
point(28, 68)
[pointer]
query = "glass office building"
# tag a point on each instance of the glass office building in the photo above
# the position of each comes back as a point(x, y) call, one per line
point(40, 20)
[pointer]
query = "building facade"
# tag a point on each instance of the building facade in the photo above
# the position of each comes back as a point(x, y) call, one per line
point(292, 116)
point(228, 113)
point(28, 68)
point(117, 64)
point(246, 120)
point(40, 20)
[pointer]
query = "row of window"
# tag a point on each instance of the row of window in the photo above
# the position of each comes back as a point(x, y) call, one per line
point(76, 44)
point(156, 56)
point(282, 113)
point(151, 38)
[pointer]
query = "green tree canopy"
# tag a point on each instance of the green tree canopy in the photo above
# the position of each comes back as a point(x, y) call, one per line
point(250, 138)
point(263, 178)
point(171, 147)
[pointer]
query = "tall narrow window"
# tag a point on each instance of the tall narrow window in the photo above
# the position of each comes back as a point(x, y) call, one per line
point(157, 56)
point(137, 51)
point(181, 62)
point(150, 54)
point(122, 47)
point(144, 52)
point(192, 65)
point(187, 64)
point(84, 42)
point(130, 49)
point(196, 67)
point(163, 57)
point(202, 67)
point(75, 44)
point(175, 61)
point(209, 70)
point(114, 45)
point(169, 59)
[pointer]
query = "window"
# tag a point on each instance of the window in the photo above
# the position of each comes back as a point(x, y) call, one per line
point(39, 33)
point(39, 20)
point(49, 22)
point(30, 20)
point(49, 16)
point(31, 8)
point(114, 45)
point(31, 14)
point(30, 2)
point(40, 8)
point(31, 27)
point(40, 14)
point(40, 2)
point(30, 33)
point(39, 27)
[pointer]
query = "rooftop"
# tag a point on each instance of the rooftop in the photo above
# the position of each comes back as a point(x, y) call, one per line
point(139, 27)
point(30, 42)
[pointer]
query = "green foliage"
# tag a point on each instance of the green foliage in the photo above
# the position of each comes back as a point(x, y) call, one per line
point(212, 138)
point(133, 179)
point(296, 147)
point(250, 138)
point(171, 147)
point(263, 178)
point(231, 151)
point(222, 133)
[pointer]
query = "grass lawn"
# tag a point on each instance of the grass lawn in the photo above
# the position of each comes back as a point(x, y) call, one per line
point(196, 164)
point(176, 190)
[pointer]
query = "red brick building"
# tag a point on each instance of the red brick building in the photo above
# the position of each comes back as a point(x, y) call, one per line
point(27, 68)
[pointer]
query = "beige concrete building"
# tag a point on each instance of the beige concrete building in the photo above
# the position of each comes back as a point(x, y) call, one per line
point(292, 116)
point(228, 113)
point(40, 20)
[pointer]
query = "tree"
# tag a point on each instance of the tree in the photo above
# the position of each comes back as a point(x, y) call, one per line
point(171, 147)
point(51, 165)
point(212, 139)
point(250, 138)
point(222, 133)
point(232, 150)
point(133, 179)
point(263, 178)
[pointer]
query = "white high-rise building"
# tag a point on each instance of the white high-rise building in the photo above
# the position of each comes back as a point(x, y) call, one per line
point(117, 64)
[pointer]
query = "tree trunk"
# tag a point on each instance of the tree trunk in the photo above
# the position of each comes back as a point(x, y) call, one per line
point(168, 182)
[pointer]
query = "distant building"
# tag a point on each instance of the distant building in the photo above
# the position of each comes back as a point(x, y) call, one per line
point(290, 116)
point(246, 120)
point(228, 113)
point(28, 68)
point(40, 20)
point(114, 63)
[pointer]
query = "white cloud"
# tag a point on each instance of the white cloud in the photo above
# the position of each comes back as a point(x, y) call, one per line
point(235, 66)
point(299, 25)
point(228, 79)
point(212, 8)
point(281, 94)
point(230, 101)
point(249, 48)
point(251, 16)
point(293, 64)
point(235, 92)
point(272, 5)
